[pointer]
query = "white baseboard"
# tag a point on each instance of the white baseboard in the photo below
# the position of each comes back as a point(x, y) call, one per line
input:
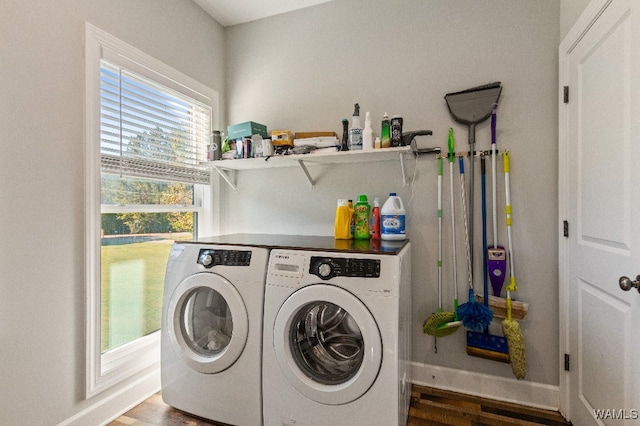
point(500, 388)
point(106, 409)
point(531, 394)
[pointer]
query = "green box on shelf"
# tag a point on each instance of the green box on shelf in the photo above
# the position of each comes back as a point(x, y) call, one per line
point(246, 129)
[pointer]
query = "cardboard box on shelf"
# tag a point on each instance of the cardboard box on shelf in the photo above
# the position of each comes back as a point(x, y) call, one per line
point(247, 129)
point(281, 138)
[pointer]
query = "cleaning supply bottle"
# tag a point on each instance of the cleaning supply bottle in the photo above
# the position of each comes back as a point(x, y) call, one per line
point(352, 218)
point(367, 133)
point(345, 135)
point(385, 134)
point(375, 220)
point(362, 211)
point(342, 225)
point(393, 219)
point(355, 133)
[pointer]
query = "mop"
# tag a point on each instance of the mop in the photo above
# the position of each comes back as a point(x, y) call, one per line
point(486, 345)
point(496, 255)
point(436, 324)
point(510, 327)
point(474, 315)
point(456, 323)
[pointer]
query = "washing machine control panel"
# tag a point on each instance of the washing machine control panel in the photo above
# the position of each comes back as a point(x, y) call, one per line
point(215, 257)
point(330, 267)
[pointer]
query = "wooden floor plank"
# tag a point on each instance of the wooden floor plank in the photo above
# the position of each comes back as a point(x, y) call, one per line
point(429, 407)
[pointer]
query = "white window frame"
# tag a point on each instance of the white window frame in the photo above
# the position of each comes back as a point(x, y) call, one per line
point(106, 370)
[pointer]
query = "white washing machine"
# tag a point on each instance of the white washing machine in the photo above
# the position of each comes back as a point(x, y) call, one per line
point(212, 331)
point(336, 343)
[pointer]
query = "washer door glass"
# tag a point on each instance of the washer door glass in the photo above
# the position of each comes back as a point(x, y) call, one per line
point(327, 344)
point(207, 322)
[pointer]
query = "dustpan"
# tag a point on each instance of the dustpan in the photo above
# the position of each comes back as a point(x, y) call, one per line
point(473, 106)
point(470, 107)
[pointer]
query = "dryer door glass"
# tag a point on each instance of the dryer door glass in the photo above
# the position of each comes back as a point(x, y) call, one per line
point(326, 343)
point(206, 322)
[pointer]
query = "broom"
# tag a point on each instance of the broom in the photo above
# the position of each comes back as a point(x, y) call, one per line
point(454, 323)
point(436, 324)
point(510, 327)
point(474, 315)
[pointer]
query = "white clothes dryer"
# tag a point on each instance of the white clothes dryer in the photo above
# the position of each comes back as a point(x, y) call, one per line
point(211, 339)
point(336, 341)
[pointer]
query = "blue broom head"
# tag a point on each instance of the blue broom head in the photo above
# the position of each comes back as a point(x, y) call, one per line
point(474, 316)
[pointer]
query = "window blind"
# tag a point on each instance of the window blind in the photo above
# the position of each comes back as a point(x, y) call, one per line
point(149, 130)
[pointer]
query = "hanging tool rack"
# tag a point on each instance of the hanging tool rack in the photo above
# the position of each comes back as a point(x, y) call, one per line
point(476, 153)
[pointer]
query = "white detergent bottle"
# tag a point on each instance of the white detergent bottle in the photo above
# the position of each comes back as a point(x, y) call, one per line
point(393, 219)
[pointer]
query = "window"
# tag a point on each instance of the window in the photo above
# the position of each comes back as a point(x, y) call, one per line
point(148, 127)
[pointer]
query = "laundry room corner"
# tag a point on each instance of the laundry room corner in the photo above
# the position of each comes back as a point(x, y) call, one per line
point(258, 293)
point(406, 69)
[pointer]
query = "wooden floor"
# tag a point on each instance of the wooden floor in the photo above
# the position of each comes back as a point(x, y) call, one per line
point(429, 407)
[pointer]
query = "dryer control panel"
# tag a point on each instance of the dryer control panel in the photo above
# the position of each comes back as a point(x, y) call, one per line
point(215, 257)
point(330, 267)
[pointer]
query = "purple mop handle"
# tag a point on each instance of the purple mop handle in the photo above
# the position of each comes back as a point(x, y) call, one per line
point(493, 124)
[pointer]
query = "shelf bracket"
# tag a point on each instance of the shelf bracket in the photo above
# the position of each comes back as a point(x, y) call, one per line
point(306, 173)
point(226, 177)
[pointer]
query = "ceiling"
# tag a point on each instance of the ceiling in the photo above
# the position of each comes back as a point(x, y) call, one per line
point(232, 12)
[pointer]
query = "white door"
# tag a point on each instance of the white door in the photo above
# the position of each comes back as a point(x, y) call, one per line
point(600, 198)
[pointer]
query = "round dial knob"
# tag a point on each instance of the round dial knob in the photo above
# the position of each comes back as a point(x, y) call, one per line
point(206, 260)
point(325, 270)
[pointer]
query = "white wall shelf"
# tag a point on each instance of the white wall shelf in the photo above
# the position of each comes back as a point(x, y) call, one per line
point(223, 167)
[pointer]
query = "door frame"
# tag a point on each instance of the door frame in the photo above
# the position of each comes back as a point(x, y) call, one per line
point(591, 13)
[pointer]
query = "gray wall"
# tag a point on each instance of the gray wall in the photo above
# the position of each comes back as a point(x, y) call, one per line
point(42, 302)
point(303, 71)
point(570, 11)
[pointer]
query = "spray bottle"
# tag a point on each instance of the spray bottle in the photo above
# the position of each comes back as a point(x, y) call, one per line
point(367, 133)
point(385, 134)
point(355, 133)
point(375, 220)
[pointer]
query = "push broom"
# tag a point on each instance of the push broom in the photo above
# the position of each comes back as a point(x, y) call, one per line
point(510, 327)
point(436, 324)
point(484, 344)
